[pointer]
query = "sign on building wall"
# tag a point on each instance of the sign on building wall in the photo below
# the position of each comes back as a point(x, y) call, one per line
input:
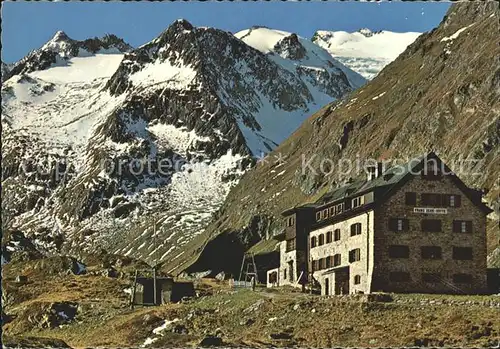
point(432, 210)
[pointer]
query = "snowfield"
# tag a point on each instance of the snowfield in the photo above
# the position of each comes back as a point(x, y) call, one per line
point(364, 51)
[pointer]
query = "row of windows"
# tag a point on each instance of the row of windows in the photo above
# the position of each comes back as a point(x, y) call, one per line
point(334, 235)
point(328, 262)
point(430, 252)
point(289, 221)
point(402, 276)
point(433, 199)
point(427, 199)
point(429, 225)
point(339, 208)
point(335, 260)
point(330, 212)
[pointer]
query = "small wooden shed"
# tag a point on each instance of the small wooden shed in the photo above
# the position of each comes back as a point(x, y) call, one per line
point(157, 290)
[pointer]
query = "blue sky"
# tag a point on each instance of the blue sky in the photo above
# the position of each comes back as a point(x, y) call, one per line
point(28, 25)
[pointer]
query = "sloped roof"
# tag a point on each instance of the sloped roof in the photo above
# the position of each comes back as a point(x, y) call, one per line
point(389, 180)
point(385, 181)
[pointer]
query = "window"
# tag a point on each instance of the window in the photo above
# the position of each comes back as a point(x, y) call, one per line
point(462, 278)
point(332, 211)
point(431, 252)
point(399, 276)
point(315, 265)
point(399, 251)
point(440, 200)
point(454, 200)
point(318, 216)
point(336, 235)
point(431, 277)
point(411, 199)
point(339, 208)
point(462, 226)
point(329, 261)
point(290, 245)
point(399, 224)
point(284, 274)
point(322, 263)
point(325, 213)
point(321, 240)
point(329, 235)
point(433, 200)
point(337, 260)
point(431, 225)
point(356, 202)
point(357, 279)
point(354, 255)
point(355, 229)
point(462, 253)
point(313, 241)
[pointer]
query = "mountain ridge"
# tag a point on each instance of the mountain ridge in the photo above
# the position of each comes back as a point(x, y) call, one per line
point(104, 136)
point(444, 87)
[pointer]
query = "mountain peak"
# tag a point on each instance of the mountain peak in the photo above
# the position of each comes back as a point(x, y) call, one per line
point(290, 47)
point(366, 32)
point(60, 36)
point(182, 24)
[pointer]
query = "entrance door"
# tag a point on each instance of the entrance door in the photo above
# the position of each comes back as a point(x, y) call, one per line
point(290, 271)
point(342, 280)
point(327, 287)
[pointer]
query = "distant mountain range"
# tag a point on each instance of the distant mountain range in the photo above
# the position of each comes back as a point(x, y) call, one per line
point(364, 51)
point(205, 101)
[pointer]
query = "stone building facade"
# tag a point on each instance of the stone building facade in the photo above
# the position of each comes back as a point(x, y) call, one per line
point(412, 228)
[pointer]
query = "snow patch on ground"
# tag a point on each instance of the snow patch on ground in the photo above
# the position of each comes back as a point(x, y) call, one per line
point(173, 76)
point(177, 139)
point(378, 96)
point(81, 69)
point(456, 34)
point(158, 332)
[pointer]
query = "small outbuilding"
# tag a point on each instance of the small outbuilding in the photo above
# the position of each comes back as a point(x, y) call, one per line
point(157, 290)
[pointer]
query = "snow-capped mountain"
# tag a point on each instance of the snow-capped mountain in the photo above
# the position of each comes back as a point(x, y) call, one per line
point(128, 137)
point(364, 51)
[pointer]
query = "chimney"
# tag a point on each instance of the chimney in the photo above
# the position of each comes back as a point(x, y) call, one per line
point(375, 171)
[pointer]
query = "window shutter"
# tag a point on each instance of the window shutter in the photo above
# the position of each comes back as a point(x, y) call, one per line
point(393, 224)
point(445, 200)
point(457, 226)
point(457, 200)
point(411, 198)
point(406, 224)
point(469, 226)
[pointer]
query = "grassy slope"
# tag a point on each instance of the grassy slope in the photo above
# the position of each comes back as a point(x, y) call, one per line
point(249, 318)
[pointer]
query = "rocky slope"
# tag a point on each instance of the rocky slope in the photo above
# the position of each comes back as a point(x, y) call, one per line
point(101, 141)
point(364, 51)
point(441, 94)
point(59, 310)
